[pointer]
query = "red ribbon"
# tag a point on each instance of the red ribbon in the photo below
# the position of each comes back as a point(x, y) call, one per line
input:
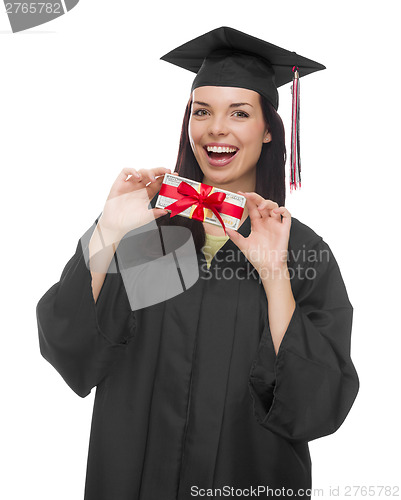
point(202, 200)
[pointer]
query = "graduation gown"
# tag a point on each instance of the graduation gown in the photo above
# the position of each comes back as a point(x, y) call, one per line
point(190, 394)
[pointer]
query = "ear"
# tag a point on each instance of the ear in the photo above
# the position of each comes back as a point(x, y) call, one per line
point(267, 137)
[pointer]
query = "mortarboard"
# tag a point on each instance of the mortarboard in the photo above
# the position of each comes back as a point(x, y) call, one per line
point(226, 57)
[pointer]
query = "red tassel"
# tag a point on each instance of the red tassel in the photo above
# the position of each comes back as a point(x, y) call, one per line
point(295, 180)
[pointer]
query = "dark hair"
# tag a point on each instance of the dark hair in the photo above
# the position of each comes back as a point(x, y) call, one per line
point(270, 169)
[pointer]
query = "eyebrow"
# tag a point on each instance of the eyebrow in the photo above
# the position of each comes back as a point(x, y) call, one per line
point(233, 105)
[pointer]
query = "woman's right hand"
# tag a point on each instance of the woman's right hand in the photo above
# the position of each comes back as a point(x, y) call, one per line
point(126, 207)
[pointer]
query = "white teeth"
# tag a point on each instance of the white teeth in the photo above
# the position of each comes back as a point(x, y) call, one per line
point(219, 149)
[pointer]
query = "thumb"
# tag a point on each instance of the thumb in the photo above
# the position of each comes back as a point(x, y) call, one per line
point(159, 212)
point(236, 238)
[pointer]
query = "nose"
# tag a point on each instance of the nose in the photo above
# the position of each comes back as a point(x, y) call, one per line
point(218, 126)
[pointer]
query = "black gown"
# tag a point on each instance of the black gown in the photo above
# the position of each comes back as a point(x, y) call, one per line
point(190, 395)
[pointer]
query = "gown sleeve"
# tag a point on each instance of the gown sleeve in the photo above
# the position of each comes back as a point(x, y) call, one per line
point(307, 389)
point(81, 338)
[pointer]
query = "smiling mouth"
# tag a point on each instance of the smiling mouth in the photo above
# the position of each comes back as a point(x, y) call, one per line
point(221, 153)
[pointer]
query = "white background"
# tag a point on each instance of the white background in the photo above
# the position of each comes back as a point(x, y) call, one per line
point(86, 95)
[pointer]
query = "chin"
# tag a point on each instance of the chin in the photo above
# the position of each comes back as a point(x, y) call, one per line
point(220, 178)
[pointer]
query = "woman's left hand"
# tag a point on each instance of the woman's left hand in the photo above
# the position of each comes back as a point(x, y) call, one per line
point(266, 247)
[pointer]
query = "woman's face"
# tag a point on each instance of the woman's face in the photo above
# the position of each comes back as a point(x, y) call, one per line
point(226, 132)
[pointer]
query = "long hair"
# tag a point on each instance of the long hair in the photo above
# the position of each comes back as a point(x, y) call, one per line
point(270, 168)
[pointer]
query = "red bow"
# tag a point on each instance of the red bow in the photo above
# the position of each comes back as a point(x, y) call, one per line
point(201, 200)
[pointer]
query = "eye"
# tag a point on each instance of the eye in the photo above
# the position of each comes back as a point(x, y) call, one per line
point(241, 114)
point(200, 112)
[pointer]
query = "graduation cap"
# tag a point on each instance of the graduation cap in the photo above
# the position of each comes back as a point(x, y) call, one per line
point(226, 57)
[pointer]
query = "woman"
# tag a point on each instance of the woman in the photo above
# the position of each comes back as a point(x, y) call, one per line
point(218, 389)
